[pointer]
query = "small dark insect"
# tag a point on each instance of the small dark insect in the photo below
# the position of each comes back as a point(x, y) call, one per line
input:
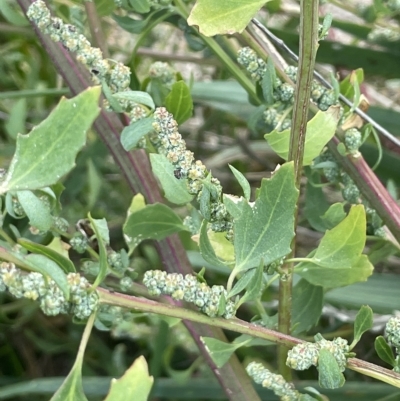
point(94, 71)
point(178, 173)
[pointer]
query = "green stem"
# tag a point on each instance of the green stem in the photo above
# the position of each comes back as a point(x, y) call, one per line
point(98, 38)
point(238, 326)
point(223, 57)
point(307, 53)
point(33, 93)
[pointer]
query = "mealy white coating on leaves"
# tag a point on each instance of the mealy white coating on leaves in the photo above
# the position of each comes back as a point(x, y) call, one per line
point(51, 299)
point(189, 289)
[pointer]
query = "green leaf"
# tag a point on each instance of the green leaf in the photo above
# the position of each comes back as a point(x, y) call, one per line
point(135, 384)
point(320, 130)
point(37, 211)
point(342, 246)
point(243, 282)
point(101, 232)
point(223, 16)
point(47, 267)
point(384, 351)
point(234, 205)
point(175, 190)
point(132, 133)
point(336, 277)
point(71, 388)
point(55, 142)
point(50, 253)
point(254, 287)
point(265, 231)
point(329, 374)
point(206, 249)
point(114, 103)
point(347, 85)
point(137, 97)
point(155, 221)
point(333, 216)
point(316, 204)
point(220, 351)
point(242, 182)
point(363, 322)
point(179, 102)
point(11, 14)
point(140, 6)
point(16, 119)
point(268, 82)
point(306, 306)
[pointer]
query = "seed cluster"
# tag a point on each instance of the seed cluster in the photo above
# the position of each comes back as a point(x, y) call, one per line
point(115, 74)
point(278, 115)
point(210, 300)
point(286, 391)
point(305, 355)
point(51, 299)
point(170, 143)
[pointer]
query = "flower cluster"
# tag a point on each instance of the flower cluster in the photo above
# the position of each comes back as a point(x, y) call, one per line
point(392, 331)
point(254, 65)
point(210, 300)
point(170, 143)
point(286, 391)
point(163, 72)
point(353, 140)
point(114, 74)
point(52, 301)
point(304, 355)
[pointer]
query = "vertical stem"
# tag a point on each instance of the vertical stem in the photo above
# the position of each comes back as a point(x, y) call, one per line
point(308, 49)
point(98, 38)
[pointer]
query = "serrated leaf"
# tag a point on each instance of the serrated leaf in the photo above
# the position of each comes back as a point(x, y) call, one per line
point(137, 97)
point(55, 142)
point(384, 351)
point(175, 190)
point(242, 182)
point(71, 388)
point(329, 374)
point(132, 133)
point(50, 253)
point(306, 305)
point(206, 249)
point(363, 322)
point(320, 130)
point(220, 351)
point(37, 211)
point(265, 231)
point(135, 384)
point(100, 229)
point(223, 16)
point(336, 277)
point(179, 102)
point(47, 267)
point(155, 221)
